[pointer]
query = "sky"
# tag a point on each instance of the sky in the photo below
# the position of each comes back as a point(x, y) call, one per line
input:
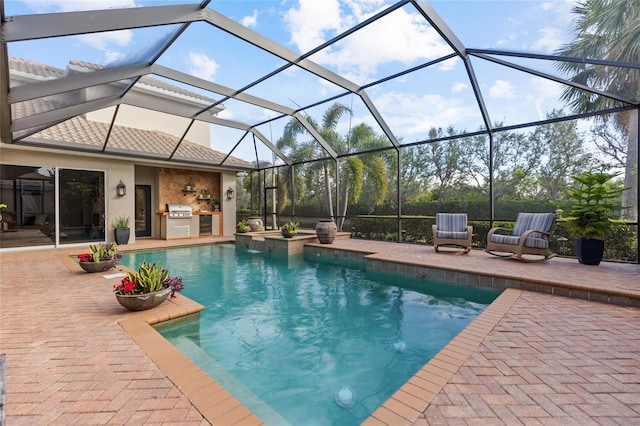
point(438, 96)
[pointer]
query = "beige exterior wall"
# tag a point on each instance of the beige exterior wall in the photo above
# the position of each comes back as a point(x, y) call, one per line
point(228, 207)
point(114, 171)
point(130, 172)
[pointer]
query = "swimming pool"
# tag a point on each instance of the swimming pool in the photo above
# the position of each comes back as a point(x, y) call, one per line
point(305, 342)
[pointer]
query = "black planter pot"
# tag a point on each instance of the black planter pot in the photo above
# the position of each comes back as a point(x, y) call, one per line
point(589, 251)
point(122, 236)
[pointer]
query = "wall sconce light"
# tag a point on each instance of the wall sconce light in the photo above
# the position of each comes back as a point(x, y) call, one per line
point(121, 189)
point(230, 193)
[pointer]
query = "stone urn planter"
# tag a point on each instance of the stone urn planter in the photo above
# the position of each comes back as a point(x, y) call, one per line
point(326, 231)
point(142, 302)
point(102, 266)
point(255, 223)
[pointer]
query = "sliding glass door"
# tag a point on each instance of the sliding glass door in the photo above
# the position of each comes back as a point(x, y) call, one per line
point(31, 194)
point(82, 206)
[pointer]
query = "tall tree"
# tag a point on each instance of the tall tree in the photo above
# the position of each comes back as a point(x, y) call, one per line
point(353, 169)
point(515, 162)
point(608, 29)
point(443, 161)
point(563, 156)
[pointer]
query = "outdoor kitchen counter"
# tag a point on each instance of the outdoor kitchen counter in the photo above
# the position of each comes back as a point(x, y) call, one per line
point(201, 223)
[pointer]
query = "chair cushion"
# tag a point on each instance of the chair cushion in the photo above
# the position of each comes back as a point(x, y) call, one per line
point(451, 222)
point(538, 221)
point(541, 243)
point(453, 235)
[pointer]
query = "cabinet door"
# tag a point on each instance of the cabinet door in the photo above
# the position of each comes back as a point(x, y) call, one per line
point(215, 225)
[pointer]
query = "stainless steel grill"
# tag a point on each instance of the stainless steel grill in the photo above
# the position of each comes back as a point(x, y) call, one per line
point(179, 211)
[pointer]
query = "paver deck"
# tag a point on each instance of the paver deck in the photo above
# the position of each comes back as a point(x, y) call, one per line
point(74, 356)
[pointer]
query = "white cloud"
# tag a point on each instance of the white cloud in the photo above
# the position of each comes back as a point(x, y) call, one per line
point(250, 21)
point(411, 116)
point(449, 64)
point(310, 21)
point(102, 41)
point(501, 90)
point(112, 57)
point(506, 41)
point(459, 87)
point(546, 6)
point(202, 66)
point(398, 37)
point(550, 40)
point(544, 94)
point(226, 114)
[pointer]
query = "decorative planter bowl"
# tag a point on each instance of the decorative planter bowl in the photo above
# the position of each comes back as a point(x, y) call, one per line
point(326, 231)
point(141, 302)
point(289, 234)
point(105, 265)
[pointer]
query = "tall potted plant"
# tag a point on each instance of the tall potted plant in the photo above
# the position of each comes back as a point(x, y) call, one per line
point(122, 230)
point(589, 219)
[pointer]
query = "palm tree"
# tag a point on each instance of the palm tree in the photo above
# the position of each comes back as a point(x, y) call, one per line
point(608, 29)
point(353, 169)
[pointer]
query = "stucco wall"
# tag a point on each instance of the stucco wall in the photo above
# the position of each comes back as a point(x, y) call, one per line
point(115, 170)
point(130, 173)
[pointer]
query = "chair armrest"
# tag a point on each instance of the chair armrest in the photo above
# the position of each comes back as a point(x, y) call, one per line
point(493, 230)
point(526, 234)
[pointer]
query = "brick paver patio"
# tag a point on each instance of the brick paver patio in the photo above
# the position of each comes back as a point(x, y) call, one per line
point(544, 360)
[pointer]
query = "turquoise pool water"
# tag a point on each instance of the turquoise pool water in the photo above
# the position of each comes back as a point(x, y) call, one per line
point(306, 341)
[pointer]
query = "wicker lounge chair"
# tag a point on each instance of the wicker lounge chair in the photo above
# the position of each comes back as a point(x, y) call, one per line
point(451, 229)
point(529, 236)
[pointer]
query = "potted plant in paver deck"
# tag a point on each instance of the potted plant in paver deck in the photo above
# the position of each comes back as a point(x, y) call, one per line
point(101, 257)
point(122, 230)
point(146, 288)
point(589, 218)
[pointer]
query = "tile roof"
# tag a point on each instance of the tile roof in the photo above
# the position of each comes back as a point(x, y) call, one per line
point(91, 134)
point(35, 68)
point(147, 80)
point(84, 133)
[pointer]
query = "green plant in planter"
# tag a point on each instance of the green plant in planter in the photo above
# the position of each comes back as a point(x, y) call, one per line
point(589, 218)
point(289, 228)
point(121, 222)
point(122, 231)
point(149, 278)
point(242, 226)
point(593, 196)
point(101, 252)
